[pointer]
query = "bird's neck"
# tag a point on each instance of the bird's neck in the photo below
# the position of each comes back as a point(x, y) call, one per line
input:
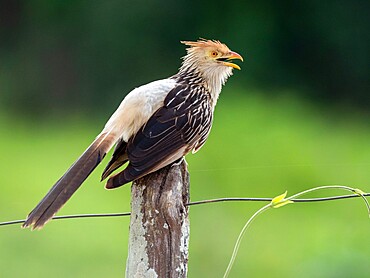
point(210, 80)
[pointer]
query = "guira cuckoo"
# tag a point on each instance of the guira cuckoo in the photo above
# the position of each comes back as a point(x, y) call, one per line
point(155, 125)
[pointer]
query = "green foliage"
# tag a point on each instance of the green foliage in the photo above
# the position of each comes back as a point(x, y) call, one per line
point(259, 147)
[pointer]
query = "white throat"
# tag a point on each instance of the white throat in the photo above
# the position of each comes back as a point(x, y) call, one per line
point(215, 78)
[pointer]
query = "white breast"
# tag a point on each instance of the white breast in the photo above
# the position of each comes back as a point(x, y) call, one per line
point(137, 107)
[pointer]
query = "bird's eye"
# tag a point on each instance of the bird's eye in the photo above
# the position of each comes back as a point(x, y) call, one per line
point(214, 54)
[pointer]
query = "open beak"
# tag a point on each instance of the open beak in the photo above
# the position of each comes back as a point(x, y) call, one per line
point(230, 56)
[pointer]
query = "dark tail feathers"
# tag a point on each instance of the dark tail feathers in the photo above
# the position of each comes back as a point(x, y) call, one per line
point(64, 188)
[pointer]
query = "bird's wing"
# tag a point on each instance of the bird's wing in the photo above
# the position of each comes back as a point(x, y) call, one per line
point(134, 111)
point(182, 124)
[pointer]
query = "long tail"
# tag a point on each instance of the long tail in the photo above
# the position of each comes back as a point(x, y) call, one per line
point(64, 188)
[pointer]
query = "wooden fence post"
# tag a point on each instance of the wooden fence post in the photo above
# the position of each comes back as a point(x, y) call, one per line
point(159, 225)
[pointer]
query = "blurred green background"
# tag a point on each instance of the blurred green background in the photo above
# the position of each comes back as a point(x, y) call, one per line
point(295, 117)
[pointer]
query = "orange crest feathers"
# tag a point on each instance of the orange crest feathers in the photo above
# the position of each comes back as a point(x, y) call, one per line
point(203, 43)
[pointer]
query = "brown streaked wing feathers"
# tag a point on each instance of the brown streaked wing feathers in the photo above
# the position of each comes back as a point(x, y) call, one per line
point(64, 188)
point(170, 133)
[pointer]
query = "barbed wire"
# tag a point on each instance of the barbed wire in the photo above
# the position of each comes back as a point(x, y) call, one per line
point(202, 202)
point(307, 200)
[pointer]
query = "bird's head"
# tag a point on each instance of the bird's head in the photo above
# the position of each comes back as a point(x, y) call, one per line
point(212, 59)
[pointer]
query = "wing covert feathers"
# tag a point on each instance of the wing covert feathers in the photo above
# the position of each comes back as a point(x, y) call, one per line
point(69, 182)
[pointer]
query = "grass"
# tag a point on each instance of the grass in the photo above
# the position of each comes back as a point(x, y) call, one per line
point(258, 147)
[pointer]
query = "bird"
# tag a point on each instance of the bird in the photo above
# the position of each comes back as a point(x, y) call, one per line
point(155, 125)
